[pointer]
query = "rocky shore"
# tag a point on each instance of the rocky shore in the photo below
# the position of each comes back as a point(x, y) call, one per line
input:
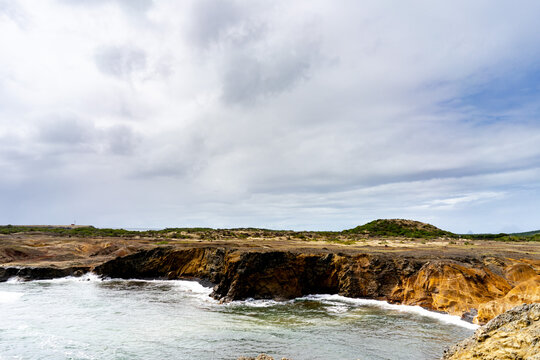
point(512, 335)
point(475, 281)
point(466, 286)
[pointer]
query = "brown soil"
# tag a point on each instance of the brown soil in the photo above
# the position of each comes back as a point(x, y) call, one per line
point(47, 250)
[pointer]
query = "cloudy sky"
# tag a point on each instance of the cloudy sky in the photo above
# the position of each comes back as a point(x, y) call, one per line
point(318, 115)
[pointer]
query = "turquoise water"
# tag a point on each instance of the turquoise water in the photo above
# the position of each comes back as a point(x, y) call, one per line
point(86, 318)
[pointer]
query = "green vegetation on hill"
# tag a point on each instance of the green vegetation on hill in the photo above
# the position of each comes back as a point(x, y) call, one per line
point(415, 229)
point(399, 228)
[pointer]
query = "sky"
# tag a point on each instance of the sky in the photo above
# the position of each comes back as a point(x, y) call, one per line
point(304, 115)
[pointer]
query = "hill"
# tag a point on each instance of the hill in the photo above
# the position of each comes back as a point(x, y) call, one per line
point(400, 228)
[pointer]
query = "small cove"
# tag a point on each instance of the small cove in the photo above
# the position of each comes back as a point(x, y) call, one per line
point(89, 318)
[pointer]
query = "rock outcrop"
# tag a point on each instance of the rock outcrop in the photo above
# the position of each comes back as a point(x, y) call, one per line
point(526, 289)
point(41, 273)
point(512, 335)
point(452, 287)
point(458, 286)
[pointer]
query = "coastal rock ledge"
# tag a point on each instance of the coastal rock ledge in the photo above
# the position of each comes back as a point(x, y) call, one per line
point(512, 335)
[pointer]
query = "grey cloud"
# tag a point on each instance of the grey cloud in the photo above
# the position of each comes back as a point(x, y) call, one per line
point(120, 61)
point(121, 139)
point(210, 19)
point(136, 5)
point(131, 6)
point(247, 78)
point(62, 135)
point(68, 131)
point(218, 24)
point(254, 62)
point(175, 155)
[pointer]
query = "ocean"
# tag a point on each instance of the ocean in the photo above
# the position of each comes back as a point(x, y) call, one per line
point(91, 318)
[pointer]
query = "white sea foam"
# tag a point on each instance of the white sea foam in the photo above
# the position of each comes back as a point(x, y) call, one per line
point(259, 303)
point(194, 288)
point(338, 308)
point(88, 277)
point(9, 297)
point(191, 287)
point(337, 299)
point(14, 280)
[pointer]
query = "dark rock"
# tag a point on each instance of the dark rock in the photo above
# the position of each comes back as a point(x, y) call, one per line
point(41, 273)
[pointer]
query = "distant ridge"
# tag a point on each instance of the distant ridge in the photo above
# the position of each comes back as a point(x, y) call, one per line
point(527, 233)
point(397, 228)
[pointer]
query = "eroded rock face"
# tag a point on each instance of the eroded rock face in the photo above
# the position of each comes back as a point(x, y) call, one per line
point(166, 263)
point(527, 292)
point(458, 286)
point(455, 288)
point(277, 275)
point(514, 334)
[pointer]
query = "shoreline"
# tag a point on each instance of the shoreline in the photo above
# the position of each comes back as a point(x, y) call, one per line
point(431, 274)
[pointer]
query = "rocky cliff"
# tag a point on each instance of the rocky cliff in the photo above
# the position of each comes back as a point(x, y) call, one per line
point(458, 285)
point(512, 335)
point(41, 273)
point(400, 261)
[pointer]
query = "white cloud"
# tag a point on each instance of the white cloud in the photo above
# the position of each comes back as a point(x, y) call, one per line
point(299, 115)
point(452, 202)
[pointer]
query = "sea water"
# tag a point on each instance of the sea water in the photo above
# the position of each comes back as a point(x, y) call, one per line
point(90, 318)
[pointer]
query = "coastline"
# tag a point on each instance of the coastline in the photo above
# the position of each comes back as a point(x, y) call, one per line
point(436, 275)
